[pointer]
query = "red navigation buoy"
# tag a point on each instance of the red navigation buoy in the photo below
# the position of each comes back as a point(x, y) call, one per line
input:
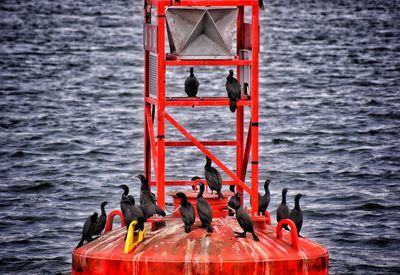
point(200, 33)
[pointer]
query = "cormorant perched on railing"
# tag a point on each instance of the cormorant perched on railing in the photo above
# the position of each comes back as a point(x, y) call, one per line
point(233, 89)
point(213, 178)
point(204, 209)
point(191, 84)
point(187, 212)
point(296, 215)
point(194, 179)
point(261, 4)
point(283, 210)
point(88, 229)
point(101, 221)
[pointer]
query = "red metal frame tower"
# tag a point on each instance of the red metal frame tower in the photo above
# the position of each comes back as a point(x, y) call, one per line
point(155, 55)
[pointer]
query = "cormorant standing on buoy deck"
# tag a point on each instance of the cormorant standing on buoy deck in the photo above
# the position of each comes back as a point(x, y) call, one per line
point(204, 209)
point(125, 188)
point(283, 209)
point(146, 195)
point(88, 229)
point(233, 89)
point(191, 85)
point(263, 201)
point(131, 212)
point(233, 203)
point(213, 178)
point(296, 215)
point(150, 209)
point(101, 221)
point(125, 194)
point(187, 212)
point(243, 219)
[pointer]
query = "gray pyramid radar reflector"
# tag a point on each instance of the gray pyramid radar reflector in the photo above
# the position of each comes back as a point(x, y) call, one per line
point(202, 33)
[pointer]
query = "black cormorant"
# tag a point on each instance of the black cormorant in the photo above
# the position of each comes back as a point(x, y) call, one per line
point(88, 229)
point(261, 4)
point(150, 209)
point(191, 84)
point(243, 219)
point(125, 194)
point(234, 203)
point(213, 178)
point(296, 215)
point(146, 195)
point(101, 221)
point(187, 212)
point(132, 212)
point(283, 210)
point(193, 179)
point(263, 200)
point(125, 188)
point(246, 86)
point(233, 89)
point(204, 209)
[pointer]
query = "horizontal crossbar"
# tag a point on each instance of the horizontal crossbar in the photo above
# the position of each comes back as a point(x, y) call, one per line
point(198, 101)
point(188, 182)
point(179, 143)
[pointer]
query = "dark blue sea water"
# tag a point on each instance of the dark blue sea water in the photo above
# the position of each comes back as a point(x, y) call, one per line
point(71, 82)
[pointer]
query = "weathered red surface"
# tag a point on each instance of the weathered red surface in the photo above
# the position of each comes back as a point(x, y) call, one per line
point(170, 250)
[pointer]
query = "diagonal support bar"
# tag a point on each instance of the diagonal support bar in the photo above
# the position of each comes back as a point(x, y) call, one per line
point(206, 152)
point(246, 154)
point(153, 147)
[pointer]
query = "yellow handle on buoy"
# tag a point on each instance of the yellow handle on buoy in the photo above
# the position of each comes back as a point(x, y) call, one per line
point(130, 243)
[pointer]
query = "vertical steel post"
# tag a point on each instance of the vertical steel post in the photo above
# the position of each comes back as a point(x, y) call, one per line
point(147, 106)
point(240, 109)
point(254, 107)
point(161, 105)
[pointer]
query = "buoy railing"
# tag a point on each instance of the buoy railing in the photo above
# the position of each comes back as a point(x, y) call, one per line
point(293, 232)
point(110, 220)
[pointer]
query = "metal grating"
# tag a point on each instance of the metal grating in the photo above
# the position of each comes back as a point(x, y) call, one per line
point(245, 71)
point(153, 74)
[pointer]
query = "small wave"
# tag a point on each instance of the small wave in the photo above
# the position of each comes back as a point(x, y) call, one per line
point(391, 115)
point(35, 187)
point(17, 154)
point(281, 141)
point(370, 206)
point(373, 102)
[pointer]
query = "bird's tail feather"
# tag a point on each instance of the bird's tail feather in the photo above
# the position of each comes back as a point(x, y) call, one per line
point(159, 211)
point(80, 243)
point(232, 105)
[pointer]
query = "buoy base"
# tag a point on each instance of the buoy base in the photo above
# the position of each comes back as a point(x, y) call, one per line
point(169, 250)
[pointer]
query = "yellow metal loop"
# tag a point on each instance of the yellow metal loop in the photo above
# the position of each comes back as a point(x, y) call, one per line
point(130, 243)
